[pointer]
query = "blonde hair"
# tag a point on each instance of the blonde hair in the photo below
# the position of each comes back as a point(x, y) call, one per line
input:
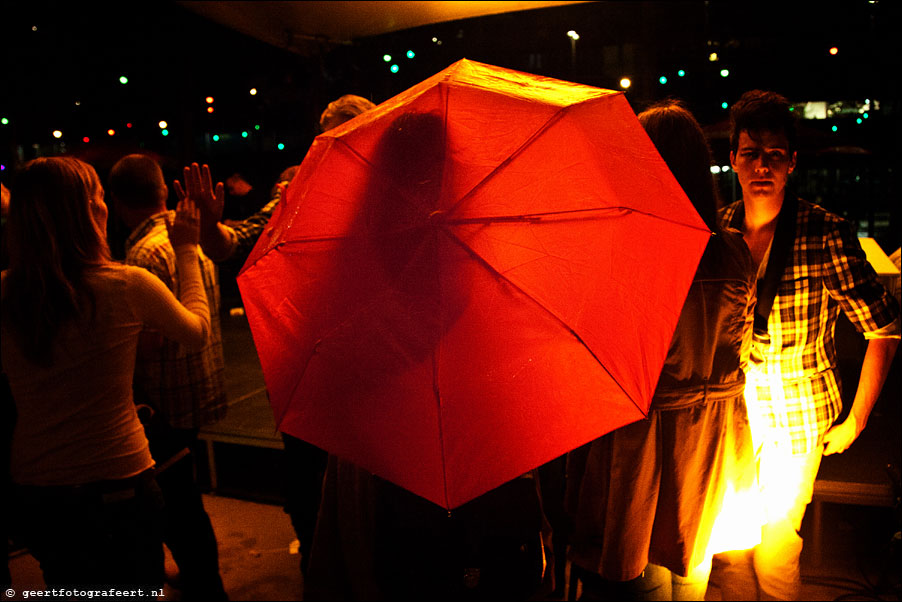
point(53, 237)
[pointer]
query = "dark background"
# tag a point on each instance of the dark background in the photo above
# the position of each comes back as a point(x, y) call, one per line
point(58, 54)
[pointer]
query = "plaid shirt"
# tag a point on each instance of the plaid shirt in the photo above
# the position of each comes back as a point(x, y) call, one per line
point(188, 388)
point(798, 391)
point(244, 235)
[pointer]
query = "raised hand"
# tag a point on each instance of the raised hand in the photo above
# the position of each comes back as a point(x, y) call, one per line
point(199, 188)
point(185, 228)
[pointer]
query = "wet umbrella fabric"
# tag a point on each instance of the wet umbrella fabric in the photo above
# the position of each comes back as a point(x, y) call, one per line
point(471, 279)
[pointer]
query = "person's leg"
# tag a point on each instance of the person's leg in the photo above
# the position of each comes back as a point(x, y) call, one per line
point(188, 531)
point(305, 465)
point(787, 483)
point(733, 574)
point(694, 585)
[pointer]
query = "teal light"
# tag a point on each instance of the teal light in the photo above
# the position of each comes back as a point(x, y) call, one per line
point(835, 129)
point(165, 132)
point(865, 115)
point(859, 120)
point(215, 137)
point(662, 79)
point(681, 73)
point(123, 79)
point(386, 58)
point(724, 105)
point(410, 54)
point(394, 68)
point(280, 146)
point(244, 134)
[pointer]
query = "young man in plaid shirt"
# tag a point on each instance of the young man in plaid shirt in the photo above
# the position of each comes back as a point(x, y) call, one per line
point(186, 390)
point(793, 393)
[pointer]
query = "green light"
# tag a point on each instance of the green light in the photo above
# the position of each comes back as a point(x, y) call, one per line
point(4, 121)
point(791, 109)
point(681, 73)
point(215, 137)
point(858, 120)
point(123, 79)
point(724, 72)
point(724, 105)
point(280, 146)
point(865, 115)
point(256, 127)
point(165, 132)
point(244, 134)
point(662, 79)
point(410, 54)
point(386, 58)
point(394, 68)
point(835, 129)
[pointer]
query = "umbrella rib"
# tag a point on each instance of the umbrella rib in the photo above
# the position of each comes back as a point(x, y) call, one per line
point(551, 121)
point(479, 259)
point(536, 217)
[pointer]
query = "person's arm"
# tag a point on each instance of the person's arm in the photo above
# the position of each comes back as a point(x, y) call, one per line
point(217, 239)
point(186, 319)
point(876, 365)
point(874, 312)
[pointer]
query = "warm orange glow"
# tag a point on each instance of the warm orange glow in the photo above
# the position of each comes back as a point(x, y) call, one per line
point(209, 109)
point(111, 132)
point(834, 50)
point(209, 100)
point(625, 83)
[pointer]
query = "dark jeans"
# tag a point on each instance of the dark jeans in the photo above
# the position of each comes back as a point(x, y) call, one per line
point(305, 466)
point(187, 530)
point(98, 534)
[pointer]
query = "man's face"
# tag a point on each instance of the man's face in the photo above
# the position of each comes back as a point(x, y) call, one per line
point(763, 163)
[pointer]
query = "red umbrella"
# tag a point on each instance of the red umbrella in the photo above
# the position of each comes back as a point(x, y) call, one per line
point(471, 279)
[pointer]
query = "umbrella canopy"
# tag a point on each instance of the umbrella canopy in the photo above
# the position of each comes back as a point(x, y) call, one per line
point(478, 275)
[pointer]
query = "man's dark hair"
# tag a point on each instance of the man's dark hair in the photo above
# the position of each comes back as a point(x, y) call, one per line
point(136, 181)
point(762, 110)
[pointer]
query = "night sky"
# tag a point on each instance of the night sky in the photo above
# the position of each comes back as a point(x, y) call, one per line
point(63, 62)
